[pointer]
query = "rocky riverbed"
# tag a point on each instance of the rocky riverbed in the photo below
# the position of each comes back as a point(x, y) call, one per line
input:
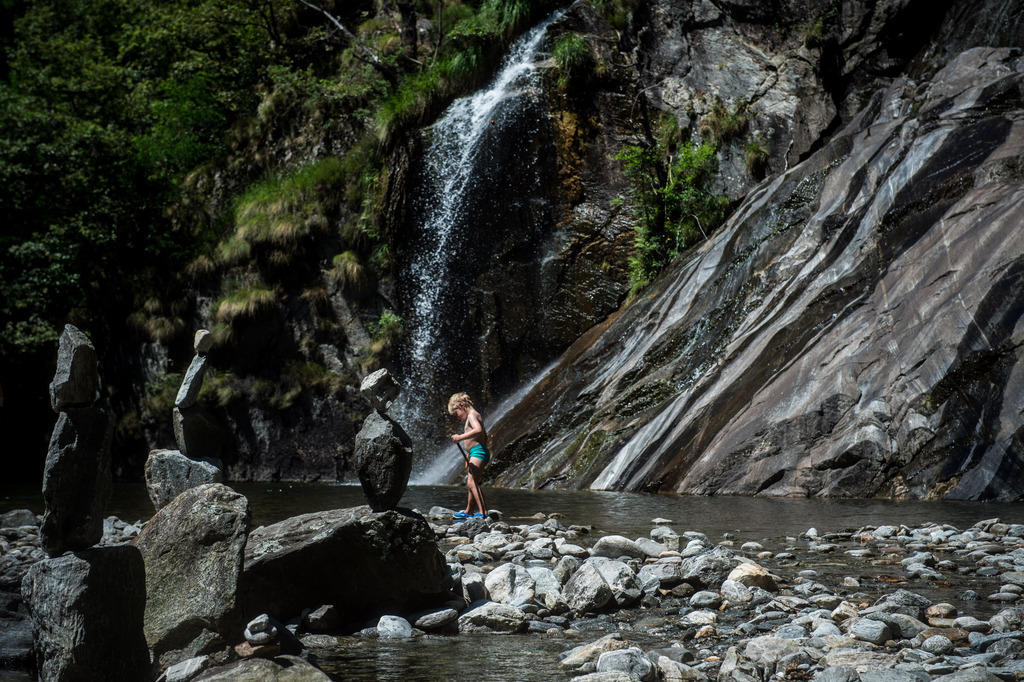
point(891, 602)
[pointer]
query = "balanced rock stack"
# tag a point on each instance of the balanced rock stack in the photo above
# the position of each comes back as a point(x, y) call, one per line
point(383, 449)
point(197, 459)
point(87, 604)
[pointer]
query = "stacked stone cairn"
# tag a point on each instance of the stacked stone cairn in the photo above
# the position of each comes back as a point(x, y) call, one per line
point(383, 449)
point(86, 602)
point(196, 461)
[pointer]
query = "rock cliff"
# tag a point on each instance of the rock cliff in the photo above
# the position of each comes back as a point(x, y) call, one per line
point(853, 330)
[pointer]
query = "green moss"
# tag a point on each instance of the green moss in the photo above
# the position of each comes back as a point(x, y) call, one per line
point(722, 124)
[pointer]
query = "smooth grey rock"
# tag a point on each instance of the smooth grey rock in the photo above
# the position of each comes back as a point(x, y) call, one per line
point(974, 674)
point(76, 382)
point(87, 613)
point(668, 574)
point(651, 548)
point(202, 341)
point(394, 627)
point(586, 591)
point(631, 661)
point(17, 518)
point(493, 617)
point(615, 546)
point(708, 569)
point(192, 384)
point(736, 593)
point(185, 670)
point(869, 630)
point(838, 674)
point(360, 561)
point(193, 550)
point(510, 584)
point(76, 480)
point(383, 454)
point(565, 567)
point(938, 645)
point(169, 473)
point(381, 389)
point(544, 581)
point(705, 600)
point(437, 619)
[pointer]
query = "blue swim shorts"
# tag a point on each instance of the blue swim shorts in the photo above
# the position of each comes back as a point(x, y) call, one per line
point(480, 452)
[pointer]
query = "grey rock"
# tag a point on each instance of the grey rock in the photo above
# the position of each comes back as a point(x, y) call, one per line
point(390, 561)
point(384, 458)
point(281, 668)
point(510, 584)
point(185, 670)
point(735, 593)
point(565, 567)
point(938, 645)
point(87, 613)
point(17, 518)
point(202, 341)
point(381, 389)
point(621, 579)
point(75, 383)
point(492, 617)
point(869, 630)
point(631, 661)
point(544, 581)
point(324, 618)
point(705, 600)
point(973, 674)
point(193, 550)
point(586, 591)
point(198, 434)
point(708, 569)
point(615, 546)
point(76, 480)
point(394, 627)
point(169, 473)
point(436, 619)
point(192, 384)
point(838, 674)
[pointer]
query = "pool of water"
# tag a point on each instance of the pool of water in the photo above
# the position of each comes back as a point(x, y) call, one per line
point(773, 522)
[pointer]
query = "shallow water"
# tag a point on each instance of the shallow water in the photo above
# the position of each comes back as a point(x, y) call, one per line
point(776, 523)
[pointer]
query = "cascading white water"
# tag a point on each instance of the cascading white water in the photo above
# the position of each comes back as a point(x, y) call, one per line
point(460, 144)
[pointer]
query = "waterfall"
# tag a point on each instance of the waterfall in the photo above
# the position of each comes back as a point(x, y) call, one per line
point(461, 143)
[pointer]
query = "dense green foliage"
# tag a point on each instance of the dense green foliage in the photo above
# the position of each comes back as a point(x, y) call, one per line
point(573, 59)
point(152, 149)
point(670, 182)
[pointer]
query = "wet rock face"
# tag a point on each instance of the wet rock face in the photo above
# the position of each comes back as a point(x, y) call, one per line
point(852, 331)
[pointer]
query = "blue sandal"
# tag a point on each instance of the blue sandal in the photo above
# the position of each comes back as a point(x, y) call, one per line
point(460, 515)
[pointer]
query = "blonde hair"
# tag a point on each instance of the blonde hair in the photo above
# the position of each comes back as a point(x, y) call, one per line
point(457, 400)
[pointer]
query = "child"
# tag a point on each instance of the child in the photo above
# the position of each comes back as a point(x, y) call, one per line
point(474, 439)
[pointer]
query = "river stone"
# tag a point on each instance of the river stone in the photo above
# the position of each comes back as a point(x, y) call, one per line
point(510, 584)
point(544, 581)
point(17, 518)
point(938, 645)
point(87, 613)
point(394, 627)
point(362, 562)
point(709, 568)
point(631, 661)
point(753, 575)
point(193, 550)
point(736, 593)
point(383, 454)
point(492, 617)
point(188, 392)
point(668, 574)
point(972, 674)
point(738, 668)
point(768, 650)
point(971, 624)
point(565, 567)
point(202, 341)
point(76, 380)
point(870, 630)
point(586, 591)
point(76, 480)
point(705, 599)
point(621, 578)
point(381, 389)
point(838, 673)
point(282, 668)
point(169, 473)
point(614, 546)
point(436, 619)
point(651, 548)
point(590, 652)
point(901, 625)
point(186, 670)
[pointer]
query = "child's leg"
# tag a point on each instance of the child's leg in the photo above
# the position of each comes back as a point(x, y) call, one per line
point(475, 487)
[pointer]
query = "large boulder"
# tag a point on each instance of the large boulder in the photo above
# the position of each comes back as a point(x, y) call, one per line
point(362, 562)
point(279, 669)
point(511, 584)
point(76, 380)
point(87, 613)
point(76, 480)
point(384, 458)
point(708, 569)
point(169, 473)
point(587, 591)
point(193, 550)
